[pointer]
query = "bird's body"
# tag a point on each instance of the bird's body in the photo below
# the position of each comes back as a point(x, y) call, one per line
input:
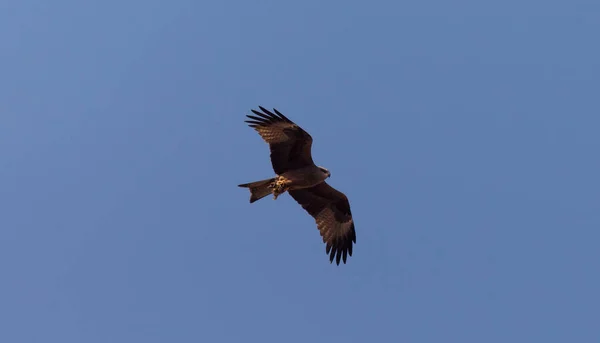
point(301, 178)
point(305, 177)
point(297, 174)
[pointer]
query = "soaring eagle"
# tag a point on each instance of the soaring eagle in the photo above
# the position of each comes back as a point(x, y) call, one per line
point(297, 174)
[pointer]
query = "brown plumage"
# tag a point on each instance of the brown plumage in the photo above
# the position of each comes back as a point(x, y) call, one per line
point(297, 174)
point(290, 145)
point(331, 211)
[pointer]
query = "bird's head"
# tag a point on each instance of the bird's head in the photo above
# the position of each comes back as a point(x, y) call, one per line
point(325, 171)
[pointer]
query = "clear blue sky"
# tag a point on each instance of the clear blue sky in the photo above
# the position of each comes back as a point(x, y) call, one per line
point(465, 133)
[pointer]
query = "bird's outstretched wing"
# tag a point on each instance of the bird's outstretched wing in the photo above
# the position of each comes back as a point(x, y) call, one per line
point(290, 145)
point(331, 211)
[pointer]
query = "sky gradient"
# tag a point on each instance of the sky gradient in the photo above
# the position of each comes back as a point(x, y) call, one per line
point(464, 133)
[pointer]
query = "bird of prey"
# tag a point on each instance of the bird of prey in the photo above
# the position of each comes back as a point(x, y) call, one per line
point(297, 174)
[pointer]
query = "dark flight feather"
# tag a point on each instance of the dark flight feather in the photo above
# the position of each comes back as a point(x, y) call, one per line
point(289, 144)
point(331, 210)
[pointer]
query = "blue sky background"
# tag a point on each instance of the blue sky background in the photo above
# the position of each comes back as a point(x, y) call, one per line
point(465, 134)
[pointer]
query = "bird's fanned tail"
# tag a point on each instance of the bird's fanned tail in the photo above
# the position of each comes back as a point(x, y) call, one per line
point(258, 189)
